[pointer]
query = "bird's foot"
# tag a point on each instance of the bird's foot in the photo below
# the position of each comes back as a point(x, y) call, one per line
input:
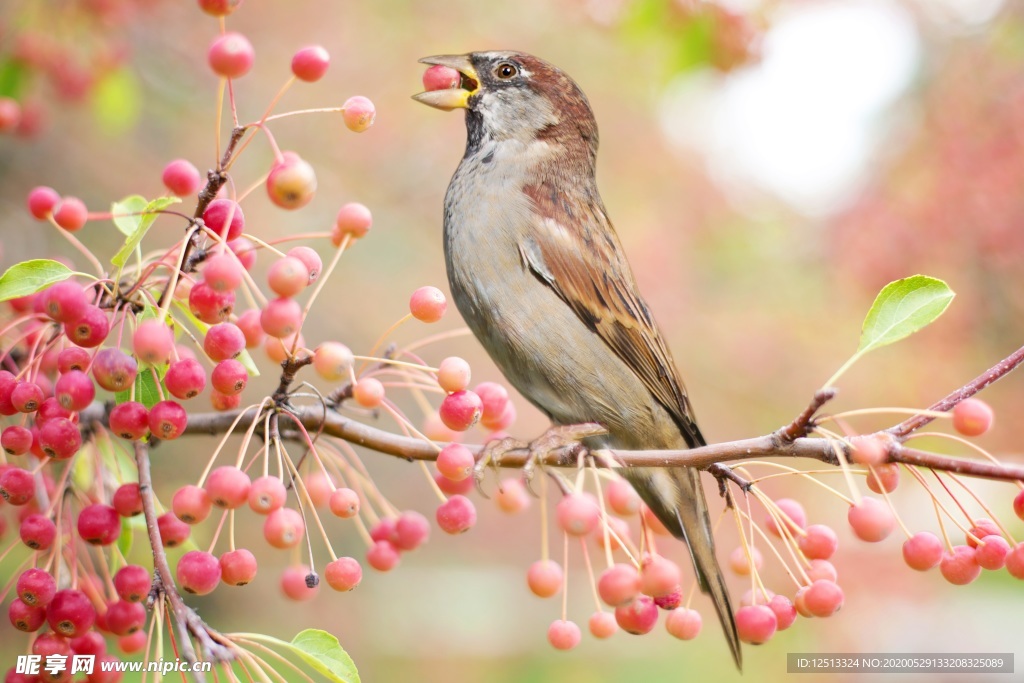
point(492, 453)
point(560, 436)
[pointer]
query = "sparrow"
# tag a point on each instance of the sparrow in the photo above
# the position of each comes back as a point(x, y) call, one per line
point(539, 275)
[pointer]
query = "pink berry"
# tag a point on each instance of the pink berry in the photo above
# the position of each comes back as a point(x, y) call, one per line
point(231, 55)
point(291, 183)
point(871, 520)
point(173, 531)
point(578, 514)
point(229, 377)
point(343, 574)
point(1015, 561)
point(637, 617)
point(358, 114)
point(288, 276)
point(266, 494)
point(982, 527)
point(10, 115)
point(182, 178)
point(961, 566)
point(249, 324)
point(439, 77)
point(209, 305)
point(455, 462)
point(223, 272)
point(310, 259)
point(622, 498)
point(310, 63)
point(90, 329)
point(153, 342)
point(245, 250)
point(457, 515)
point(299, 583)
point(281, 317)
point(428, 304)
point(785, 611)
point(1018, 504)
point(618, 585)
point(70, 213)
point(284, 528)
point(63, 302)
point(820, 542)
point(228, 487)
point(344, 503)
point(972, 417)
point(790, 509)
point(821, 569)
point(198, 572)
point(411, 530)
point(564, 635)
point(132, 583)
point(923, 551)
point(869, 450)
point(756, 624)
point(192, 504)
point(74, 390)
point(237, 567)
point(884, 477)
point(992, 555)
point(823, 598)
point(114, 370)
point(511, 496)
point(41, 201)
point(368, 392)
point(354, 220)
point(185, 378)
point(383, 556)
point(544, 577)
point(494, 398)
point(27, 397)
point(659, 576)
point(602, 625)
point(461, 410)
point(225, 217)
point(167, 420)
point(745, 560)
point(683, 623)
point(453, 374)
point(73, 358)
point(333, 361)
point(223, 341)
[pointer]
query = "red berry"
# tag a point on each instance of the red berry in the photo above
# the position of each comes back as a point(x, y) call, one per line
point(461, 410)
point(455, 462)
point(310, 63)
point(70, 613)
point(209, 305)
point(871, 520)
point(99, 524)
point(637, 617)
point(63, 302)
point(237, 567)
point(756, 624)
point(185, 378)
point(620, 495)
point(89, 643)
point(114, 370)
point(281, 317)
point(16, 440)
point(182, 178)
point(972, 417)
point(564, 635)
point(124, 618)
point(70, 213)
point(457, 515)
point(25, 618)
point(127, 499)
point(132, 583)
point(659, 576)
point(219, 8)
point(90, 329)
point(198, 572)
point(223, 341)
point(10, 115)
point(821, 569)
point(225, 217)
point(167, 420)
point(36, 587)
point(439, 77)
point(129, 420)
point(74, 390)
point(59, 438)
point(73, 358)
point(343, 574)
point(37, 532)
point(744, 560)
point(249, 323)
point(428, 304)
point(358, 113)
point(41, 201)
point(1018, 505)
point(231, 55)
point(17, 486)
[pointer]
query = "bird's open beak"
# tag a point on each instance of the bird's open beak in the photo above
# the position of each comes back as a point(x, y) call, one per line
point(452, 98)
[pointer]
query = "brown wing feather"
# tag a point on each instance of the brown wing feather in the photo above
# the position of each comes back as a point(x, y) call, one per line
point(592, 276)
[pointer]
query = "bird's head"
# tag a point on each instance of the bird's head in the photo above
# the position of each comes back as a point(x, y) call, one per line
point(515, 96)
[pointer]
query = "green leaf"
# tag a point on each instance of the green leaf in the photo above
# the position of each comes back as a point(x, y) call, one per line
point(324, 653)
point(115, 101)
point(28, 277)
point(127, 213)
point(146, 391)
point(142, 224)
point(902, 308)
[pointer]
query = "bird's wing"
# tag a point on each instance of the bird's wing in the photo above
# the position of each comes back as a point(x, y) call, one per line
point(587, 269)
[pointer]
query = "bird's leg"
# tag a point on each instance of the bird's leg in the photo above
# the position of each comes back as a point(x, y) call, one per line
point(491, 454)
point(559, 436)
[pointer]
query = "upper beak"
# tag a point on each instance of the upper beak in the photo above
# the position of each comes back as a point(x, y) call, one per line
point(452, 98)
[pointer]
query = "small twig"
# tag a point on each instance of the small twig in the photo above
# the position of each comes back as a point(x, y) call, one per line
point(804, 422)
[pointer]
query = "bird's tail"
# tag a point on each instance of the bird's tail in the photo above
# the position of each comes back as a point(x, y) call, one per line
point(676, 497)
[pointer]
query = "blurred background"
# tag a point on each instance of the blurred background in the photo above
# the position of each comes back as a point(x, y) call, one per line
point(769, 166)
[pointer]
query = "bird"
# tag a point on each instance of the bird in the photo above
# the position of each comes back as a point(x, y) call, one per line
point(539, 275)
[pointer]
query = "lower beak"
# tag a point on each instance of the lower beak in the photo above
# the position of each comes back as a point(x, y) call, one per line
point(451, 98)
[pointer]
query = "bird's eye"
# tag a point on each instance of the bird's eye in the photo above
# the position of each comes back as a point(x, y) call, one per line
point(506, 70)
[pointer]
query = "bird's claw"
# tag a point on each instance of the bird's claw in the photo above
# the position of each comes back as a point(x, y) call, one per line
point(560, 436)
point(491, 455)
